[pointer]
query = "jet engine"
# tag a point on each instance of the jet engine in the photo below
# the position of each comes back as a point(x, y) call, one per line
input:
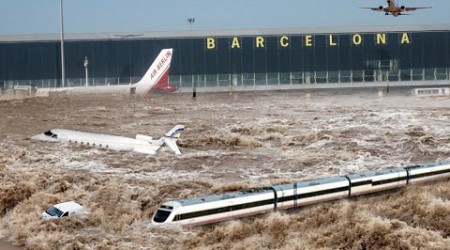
point(402, 7)
point(380, 8)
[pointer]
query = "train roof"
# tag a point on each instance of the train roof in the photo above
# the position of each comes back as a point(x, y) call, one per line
point(377, 172)
point(312, 182)
point(428, 165)
point(186, 34)
point(225, 196)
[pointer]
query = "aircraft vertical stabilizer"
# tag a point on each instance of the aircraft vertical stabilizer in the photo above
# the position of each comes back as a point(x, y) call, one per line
point(158, 74)
point(171, 138)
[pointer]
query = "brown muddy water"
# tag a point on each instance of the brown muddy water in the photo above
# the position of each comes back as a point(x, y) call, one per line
point(232, 141)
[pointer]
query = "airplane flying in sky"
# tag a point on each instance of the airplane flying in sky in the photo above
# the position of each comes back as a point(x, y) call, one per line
point(142, 144)
point(156, 77)
point(393, 9)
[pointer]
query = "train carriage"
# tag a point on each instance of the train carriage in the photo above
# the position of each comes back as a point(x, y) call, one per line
point(311, 191)
point(214, 208)
point(370, 182)
point(428, 172)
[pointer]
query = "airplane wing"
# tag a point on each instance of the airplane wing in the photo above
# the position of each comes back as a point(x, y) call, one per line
point(375, 8)
point(172, 144)
point(370, 8)
point(416, 8)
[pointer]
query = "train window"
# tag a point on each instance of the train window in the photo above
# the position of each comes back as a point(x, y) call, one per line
point(161, 215)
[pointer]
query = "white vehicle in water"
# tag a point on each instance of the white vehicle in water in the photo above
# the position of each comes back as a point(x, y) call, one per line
point(64, 209)
point(141, 144)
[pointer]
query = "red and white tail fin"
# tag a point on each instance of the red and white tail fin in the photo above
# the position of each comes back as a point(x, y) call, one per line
point(157, 74)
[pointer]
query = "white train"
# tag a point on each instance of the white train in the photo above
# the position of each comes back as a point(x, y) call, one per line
point(219, 207)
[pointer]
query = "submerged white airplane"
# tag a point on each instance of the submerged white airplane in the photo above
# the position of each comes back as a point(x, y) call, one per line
point(142, 144)
point(157, 77)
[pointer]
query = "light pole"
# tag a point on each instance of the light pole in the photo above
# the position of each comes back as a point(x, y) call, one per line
point(194, 85)
point(86, 63)
point(191, 22)
point(63, 73)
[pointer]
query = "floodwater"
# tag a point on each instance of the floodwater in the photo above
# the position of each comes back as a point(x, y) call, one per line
point(232, 141)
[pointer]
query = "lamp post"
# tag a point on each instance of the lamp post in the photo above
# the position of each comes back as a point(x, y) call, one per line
point(194, 85)
point(63, 73)
point(86, 63)
point(191, 22)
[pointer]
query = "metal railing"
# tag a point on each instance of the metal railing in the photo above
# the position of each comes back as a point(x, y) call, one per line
point(255, 79)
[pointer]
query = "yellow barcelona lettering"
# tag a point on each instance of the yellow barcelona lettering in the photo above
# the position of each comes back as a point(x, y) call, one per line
point(210, 43)
point(284, 41)
point(381, 38)
point(235, 43)
point(332, 43)
point(357, 39)
point(259, 42)
point(405, 38)
point(308, 41)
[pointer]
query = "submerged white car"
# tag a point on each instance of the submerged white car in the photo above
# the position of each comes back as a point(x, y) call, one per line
point(64, 209)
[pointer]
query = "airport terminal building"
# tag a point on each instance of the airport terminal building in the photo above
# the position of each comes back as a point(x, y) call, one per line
point(234, 59)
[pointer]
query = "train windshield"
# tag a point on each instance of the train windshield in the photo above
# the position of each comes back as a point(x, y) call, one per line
point(162, 214)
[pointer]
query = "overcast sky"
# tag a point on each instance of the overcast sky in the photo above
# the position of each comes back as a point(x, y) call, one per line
point(95, 16)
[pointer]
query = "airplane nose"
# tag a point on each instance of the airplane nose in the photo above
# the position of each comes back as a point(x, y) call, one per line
point(43, 137)
point(39, 137)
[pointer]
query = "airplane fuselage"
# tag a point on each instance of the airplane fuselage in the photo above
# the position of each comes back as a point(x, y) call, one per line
point(112, 142)
point(393, 8)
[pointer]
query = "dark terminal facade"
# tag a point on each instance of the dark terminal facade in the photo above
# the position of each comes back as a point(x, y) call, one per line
point(234, 58)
